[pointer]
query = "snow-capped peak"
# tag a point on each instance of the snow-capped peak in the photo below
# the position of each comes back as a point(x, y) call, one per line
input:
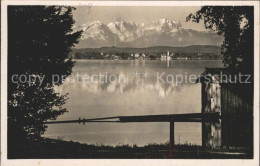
point(96, 30)
point(124, 30)
point(164, 25)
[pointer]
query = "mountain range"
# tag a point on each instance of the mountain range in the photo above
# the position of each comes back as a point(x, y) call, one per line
point(162, 32)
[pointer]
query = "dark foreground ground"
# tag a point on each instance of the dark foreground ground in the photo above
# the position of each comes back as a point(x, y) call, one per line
point(59, 149)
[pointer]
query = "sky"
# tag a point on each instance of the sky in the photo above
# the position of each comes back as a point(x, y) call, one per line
point(137, 14)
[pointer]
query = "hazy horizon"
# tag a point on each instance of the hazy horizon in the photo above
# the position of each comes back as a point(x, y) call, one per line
point(147, 47)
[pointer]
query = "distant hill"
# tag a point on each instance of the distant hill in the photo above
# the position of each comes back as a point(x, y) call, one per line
point(157, 49)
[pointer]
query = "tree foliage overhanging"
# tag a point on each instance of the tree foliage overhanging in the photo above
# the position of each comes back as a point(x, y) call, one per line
point(39, 40)
point(236, 24)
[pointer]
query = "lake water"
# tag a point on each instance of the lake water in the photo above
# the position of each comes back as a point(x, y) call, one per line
point(137, 88)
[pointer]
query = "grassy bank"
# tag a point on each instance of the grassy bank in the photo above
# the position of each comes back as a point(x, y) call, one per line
point(59, 149)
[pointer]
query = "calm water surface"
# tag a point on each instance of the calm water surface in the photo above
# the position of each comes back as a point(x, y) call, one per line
point(141, 94)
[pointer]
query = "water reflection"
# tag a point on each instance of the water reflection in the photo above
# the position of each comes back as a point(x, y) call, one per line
point(123, 85)
point(124, 80)
point(136, 96)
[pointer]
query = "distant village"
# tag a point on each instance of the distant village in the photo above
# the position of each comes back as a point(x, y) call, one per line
point(151, 56)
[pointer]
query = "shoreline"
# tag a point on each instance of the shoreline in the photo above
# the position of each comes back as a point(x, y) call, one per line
point(46, 148)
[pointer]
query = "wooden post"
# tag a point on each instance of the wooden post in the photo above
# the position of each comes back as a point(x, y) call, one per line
point(172, 133)
point(211, 102)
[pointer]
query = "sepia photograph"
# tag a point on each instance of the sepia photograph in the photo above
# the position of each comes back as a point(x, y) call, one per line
point(130, 80)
